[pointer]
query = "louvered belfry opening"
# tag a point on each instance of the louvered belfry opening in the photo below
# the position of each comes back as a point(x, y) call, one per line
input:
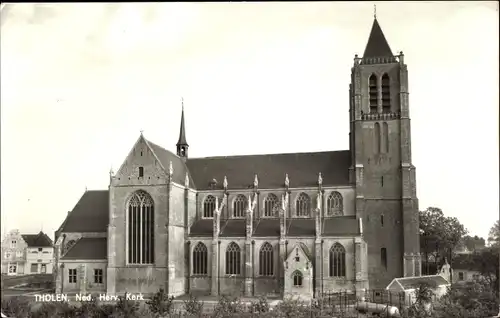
point(386, 94)
point(373, 94)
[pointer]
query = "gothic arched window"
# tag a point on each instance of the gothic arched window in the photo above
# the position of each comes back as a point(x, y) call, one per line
point(376, 137)
point(239, 206)
point(386, 94)
point(337, 261)
point(270, 205)
point(233, 259)
point(297, 278)
point(335, 204)
point(209, 207)
point(141, 229)
point(266, 260)
point(303, 205)
point(200, 259)
point(373, 91)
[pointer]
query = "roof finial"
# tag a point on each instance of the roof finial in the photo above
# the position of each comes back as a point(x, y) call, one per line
point(287, 182)
point(225, 183)
point(142, 131)
point(255, 181)
point(374, 11)
point(170, 169)
point(182, 103)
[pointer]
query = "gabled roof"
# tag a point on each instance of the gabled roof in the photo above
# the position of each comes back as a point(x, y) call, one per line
point(90, 214)
point(405, 283)
point(178, 166)
point(377, 45)
point(88, 248)
point(37, 240)
point(302, 170)
point(304, 249)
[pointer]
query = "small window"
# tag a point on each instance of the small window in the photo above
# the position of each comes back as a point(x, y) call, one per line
point(40, 249)
point(141, 172)
point(297, 279)
point(12, 269)
point(383, 257)
point(13, 244)
point(382, 220)
point(34, 268)
point(98, 276)
point(72, 275)
point(141, 153)
point(7, 255)
point(460, 275)
point(43, 268)
point(382, 181)
point(297, 259)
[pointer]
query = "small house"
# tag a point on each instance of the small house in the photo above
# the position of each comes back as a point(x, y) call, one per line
point(409, 285)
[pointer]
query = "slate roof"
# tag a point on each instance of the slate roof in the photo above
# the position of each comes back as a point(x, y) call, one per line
point(302, 170)
point(338, 226)
point(405, 283)
point(342, 225)
point(88, 248)
point(178, 165)
point(90, 214)
point(377, 45)
point(37, 240)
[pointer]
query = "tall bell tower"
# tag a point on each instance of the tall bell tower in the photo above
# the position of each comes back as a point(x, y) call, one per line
point(381, 169)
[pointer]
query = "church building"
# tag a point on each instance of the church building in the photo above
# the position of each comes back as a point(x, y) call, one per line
point(300, 224)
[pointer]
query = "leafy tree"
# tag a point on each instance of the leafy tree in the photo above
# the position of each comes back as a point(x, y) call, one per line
point(439, 234)
point(494, 235)
point(486, 262)
point(473, 243)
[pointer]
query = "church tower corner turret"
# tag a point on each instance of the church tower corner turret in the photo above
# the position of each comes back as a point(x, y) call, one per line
point(182, 145)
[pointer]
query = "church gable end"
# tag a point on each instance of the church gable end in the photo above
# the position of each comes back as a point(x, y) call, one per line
point(141, 167)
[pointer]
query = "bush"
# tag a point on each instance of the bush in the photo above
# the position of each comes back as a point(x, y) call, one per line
point(193, 306)
point(18, 307)
point(160, 304)
point(226, 307)
point(126, 308)
point(260, 306)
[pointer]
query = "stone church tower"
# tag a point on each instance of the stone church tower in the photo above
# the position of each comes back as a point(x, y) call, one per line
point(381, 168)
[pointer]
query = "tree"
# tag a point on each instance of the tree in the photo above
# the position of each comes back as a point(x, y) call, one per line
point(486, 262)
point(494, 235)
point(439, 234)
point(473, 243)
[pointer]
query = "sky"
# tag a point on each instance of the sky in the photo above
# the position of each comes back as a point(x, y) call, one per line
point(80, 81)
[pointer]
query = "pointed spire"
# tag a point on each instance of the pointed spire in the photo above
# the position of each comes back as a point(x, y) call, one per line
point(182, 145)
point(377, 45)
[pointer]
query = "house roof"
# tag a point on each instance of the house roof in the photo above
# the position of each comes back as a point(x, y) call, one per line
point(302, 170)
point(90, 214)
point(405, 283)
point(88, 248)
point(377, 45)
point(37, 240)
